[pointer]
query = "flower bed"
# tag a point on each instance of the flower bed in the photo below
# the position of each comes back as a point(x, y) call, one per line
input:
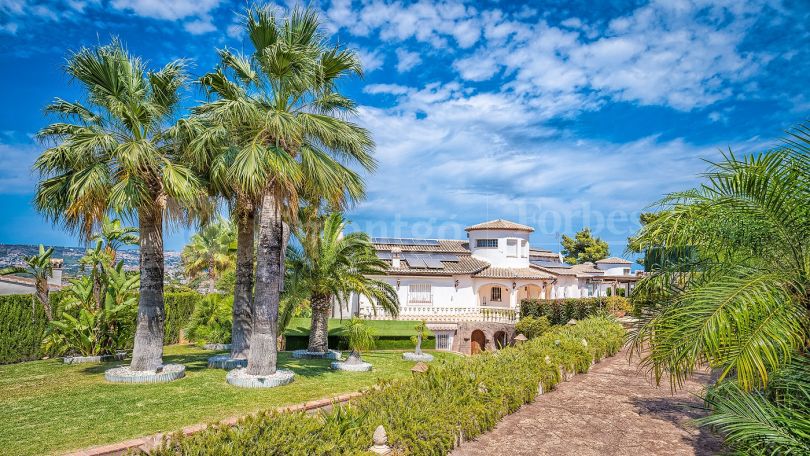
point(427, 414)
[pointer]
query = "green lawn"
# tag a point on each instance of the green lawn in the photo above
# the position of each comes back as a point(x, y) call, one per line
point(49, 407)
point(389, 328)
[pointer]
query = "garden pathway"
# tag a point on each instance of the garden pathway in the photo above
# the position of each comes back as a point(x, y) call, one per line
point(612, 410)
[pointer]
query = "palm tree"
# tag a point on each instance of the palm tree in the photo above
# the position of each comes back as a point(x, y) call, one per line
point(275, 129)
point(730, 285)
point(331, 266)
point(40, 267)
point(115, 151)
point(209, 251)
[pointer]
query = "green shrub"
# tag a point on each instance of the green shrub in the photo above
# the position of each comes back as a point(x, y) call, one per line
point(21, 334)
point(532, 327)
point(423, 414)
point(560, 311)
point(212, 320)
point(22, 326)
point(179, 309)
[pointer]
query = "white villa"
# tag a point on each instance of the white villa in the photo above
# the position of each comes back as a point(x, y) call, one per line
point(469, 291)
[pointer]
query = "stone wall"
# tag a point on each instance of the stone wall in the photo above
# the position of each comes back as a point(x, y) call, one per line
point(463, 339)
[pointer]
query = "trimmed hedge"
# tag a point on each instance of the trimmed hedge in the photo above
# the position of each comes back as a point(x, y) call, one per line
point(560, 311)
point(382, 343)
point(22, 325)
point(428, 414)
point(21, 332)
point(179, 308)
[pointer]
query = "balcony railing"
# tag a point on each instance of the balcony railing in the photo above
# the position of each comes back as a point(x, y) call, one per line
point(446, 314)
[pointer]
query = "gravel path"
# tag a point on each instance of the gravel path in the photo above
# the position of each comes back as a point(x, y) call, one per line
point(612, 410)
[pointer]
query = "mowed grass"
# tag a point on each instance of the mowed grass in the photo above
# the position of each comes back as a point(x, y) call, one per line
point(48, 407)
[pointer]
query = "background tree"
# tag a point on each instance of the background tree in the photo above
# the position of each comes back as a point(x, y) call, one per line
point(330, 266)
point(115, 151)
point(280, 118)
point(584, 247)
point(40, 268)
point(209, 252)
point(739, 301)
point(115, 236)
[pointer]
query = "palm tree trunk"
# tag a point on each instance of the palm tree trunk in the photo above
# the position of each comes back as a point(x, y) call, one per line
point(263, 351)
point(43, 297)
point(319, 331)
point(243, 289)
point(147, 354)
point(212, 278)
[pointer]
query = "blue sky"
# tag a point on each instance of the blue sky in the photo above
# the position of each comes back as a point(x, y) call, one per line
point(556, 114)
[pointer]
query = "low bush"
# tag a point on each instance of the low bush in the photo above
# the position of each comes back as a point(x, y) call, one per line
point(532, 327)
point(212, 320)
point(560, 311)
point(425, 414)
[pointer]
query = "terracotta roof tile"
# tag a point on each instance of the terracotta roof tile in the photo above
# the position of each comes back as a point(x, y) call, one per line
point(613, 260)
point(513, 273)
point(445, 246)
point(499, 224)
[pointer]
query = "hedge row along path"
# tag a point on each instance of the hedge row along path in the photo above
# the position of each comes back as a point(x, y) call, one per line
point(613, 410)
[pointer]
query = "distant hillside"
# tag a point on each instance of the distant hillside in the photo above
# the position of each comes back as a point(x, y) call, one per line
point(12, 255)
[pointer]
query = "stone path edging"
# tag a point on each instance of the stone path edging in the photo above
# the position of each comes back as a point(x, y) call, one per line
point(151, 441)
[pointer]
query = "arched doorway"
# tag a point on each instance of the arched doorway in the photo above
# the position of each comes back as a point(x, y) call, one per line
point(478, 342)
point(500, 340)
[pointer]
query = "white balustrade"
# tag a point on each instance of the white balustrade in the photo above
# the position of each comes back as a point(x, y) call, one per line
point(437, 313)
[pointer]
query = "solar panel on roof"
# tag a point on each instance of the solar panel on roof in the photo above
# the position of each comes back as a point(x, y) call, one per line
point(433, 263)
point(384, 255)
point(416, 262)
point(551, 264)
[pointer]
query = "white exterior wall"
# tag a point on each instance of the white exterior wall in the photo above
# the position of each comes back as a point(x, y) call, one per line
point(565, 287)
point(497, 256)
point(614, 269)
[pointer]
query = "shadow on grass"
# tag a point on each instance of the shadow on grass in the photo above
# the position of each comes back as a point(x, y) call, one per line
point(197, 362)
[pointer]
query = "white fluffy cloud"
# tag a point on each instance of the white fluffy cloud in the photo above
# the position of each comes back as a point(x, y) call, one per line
point(196, 13)
point(406, 60)
point(682, 54)
point(15, 168)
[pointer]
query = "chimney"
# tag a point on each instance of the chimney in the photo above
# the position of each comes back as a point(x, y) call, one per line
point(396, 254)
point(56, 272)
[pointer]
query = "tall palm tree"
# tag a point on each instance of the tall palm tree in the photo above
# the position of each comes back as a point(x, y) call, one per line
point(40, 267)
point(209, 251)
point(274, 129)
point(331, 266)
point(731, 289)
point(115, 151)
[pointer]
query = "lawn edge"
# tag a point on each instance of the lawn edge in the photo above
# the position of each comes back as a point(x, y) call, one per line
point(149, 442)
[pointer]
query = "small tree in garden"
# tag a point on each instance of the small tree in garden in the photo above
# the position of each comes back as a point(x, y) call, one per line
point(39, 266)
point(87, 329)
point(360, 337)
point(421, 333)
point(210, 252)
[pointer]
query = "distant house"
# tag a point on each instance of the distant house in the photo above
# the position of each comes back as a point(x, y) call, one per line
point(469, 291)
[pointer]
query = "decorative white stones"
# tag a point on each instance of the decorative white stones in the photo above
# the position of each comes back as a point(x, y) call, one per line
point(225, 362)
point(411, 356)
point(362, 366)
point(304, 354)
point(165, 374)
point(216, 347)
point(118, 356)
point(240, 378)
